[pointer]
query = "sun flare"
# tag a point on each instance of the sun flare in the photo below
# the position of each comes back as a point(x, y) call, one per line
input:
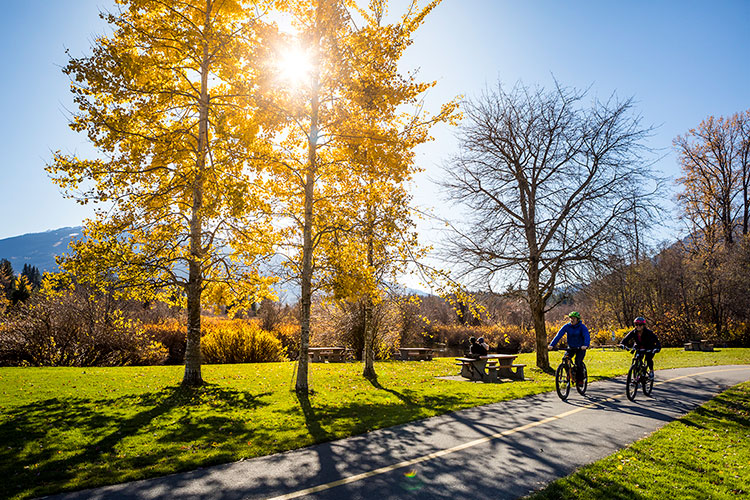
point(294, 66)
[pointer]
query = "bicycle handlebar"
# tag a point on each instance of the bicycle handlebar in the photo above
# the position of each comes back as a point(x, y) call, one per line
point(633, 349)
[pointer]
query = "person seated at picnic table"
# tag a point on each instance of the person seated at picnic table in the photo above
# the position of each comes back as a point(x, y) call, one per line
point(484, 344)
point(476, 350)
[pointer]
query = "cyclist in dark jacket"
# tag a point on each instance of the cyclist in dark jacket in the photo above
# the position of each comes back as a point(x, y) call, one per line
point(578, 341)
point(641, 337)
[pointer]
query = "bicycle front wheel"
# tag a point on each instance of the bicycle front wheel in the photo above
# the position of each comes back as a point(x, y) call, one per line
point(648, 385)
point(631, 387)
point(584, 382)
point(562, 382)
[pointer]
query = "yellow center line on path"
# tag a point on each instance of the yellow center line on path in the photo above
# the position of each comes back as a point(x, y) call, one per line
point(469, 444)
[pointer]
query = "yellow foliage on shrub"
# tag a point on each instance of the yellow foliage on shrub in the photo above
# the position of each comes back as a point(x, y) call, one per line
point(604, 336)
point(239, 341)
point(288, 334)
point(154, 353)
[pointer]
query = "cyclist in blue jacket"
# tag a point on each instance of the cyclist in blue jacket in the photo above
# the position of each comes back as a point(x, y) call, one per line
point(578, 341)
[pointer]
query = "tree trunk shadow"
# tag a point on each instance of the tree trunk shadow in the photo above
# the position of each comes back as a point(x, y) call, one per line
point(312, 421)
point(405, 399)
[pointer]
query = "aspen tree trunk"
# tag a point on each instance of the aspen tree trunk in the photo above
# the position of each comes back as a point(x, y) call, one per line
point(369, 354)
point(194, 289)
point(307, 243)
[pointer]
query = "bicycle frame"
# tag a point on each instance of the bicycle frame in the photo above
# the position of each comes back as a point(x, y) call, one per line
point(567, 371)
point(638, 375)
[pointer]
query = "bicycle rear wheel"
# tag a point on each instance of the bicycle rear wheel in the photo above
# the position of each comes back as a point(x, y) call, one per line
point(562, 382)
point(648, 385)
point(584, 381)
point(631, 387)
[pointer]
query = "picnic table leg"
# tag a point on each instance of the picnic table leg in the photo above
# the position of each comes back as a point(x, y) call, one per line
point(478, 367)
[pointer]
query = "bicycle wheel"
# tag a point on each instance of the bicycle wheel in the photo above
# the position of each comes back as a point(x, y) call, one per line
point(584, 381)
point(648, 384)
point(562, 382)
point(631, 388)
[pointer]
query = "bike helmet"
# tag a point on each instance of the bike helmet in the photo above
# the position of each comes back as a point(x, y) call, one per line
point(575, 314)
point(639, 321)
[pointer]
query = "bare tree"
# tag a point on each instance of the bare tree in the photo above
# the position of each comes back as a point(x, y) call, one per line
point(715, 161)
point(549, 188)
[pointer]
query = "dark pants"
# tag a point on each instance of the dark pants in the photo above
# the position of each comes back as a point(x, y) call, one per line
point(650, 360)
point(579, 355)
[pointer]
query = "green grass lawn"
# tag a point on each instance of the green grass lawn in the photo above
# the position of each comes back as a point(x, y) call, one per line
point(704, 455)
point(73, 428)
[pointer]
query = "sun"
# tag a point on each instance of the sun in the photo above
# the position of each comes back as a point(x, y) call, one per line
point(294, 67)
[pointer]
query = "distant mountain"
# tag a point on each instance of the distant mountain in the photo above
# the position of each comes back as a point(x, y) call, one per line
point(38, 249)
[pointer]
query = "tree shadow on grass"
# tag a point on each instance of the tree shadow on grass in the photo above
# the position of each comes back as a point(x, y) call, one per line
point(732, 406)
point(550, 370)
point(312, 420)
point(48, 444)
point(352, 418)
point(407, 400)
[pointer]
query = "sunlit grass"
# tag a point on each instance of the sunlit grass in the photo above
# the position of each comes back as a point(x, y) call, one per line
point(705, 454)
point(71, 428)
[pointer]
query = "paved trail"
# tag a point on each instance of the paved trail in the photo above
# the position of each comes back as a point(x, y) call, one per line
point(503, 450)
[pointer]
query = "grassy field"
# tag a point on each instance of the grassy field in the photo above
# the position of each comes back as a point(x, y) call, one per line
point(73, 428)
point(704, 455)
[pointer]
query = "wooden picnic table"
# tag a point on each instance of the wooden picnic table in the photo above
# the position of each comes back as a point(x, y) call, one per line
point(699, 345)
point(491, 368)
point(326, 354)
point(416, 353)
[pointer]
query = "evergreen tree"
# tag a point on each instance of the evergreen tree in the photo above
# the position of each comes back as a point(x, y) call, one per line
point(7, 278)
point(22, 290)
point(33, 276)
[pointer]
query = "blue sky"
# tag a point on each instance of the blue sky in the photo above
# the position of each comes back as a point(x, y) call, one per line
point(681, 60)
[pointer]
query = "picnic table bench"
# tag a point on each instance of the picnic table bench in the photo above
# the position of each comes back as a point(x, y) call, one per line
point(327, 354)
point(609, 347)
point(416, 353)
point(491, 368)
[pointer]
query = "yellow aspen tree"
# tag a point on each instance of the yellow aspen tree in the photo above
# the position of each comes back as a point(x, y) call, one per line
point(166, 101)
point(310, 174)
point(347, 104)
point(385, 124)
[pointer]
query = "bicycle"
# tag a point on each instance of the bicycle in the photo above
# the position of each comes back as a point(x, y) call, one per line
point(567, 371)
point(638, 374)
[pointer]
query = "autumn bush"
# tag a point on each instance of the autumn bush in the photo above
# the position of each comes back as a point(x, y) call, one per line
point(239, 341)
point(75, 327)
point(500, 337)
point(604, 336)
point(342, 323)
point(172, 333)
point(288, 334)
